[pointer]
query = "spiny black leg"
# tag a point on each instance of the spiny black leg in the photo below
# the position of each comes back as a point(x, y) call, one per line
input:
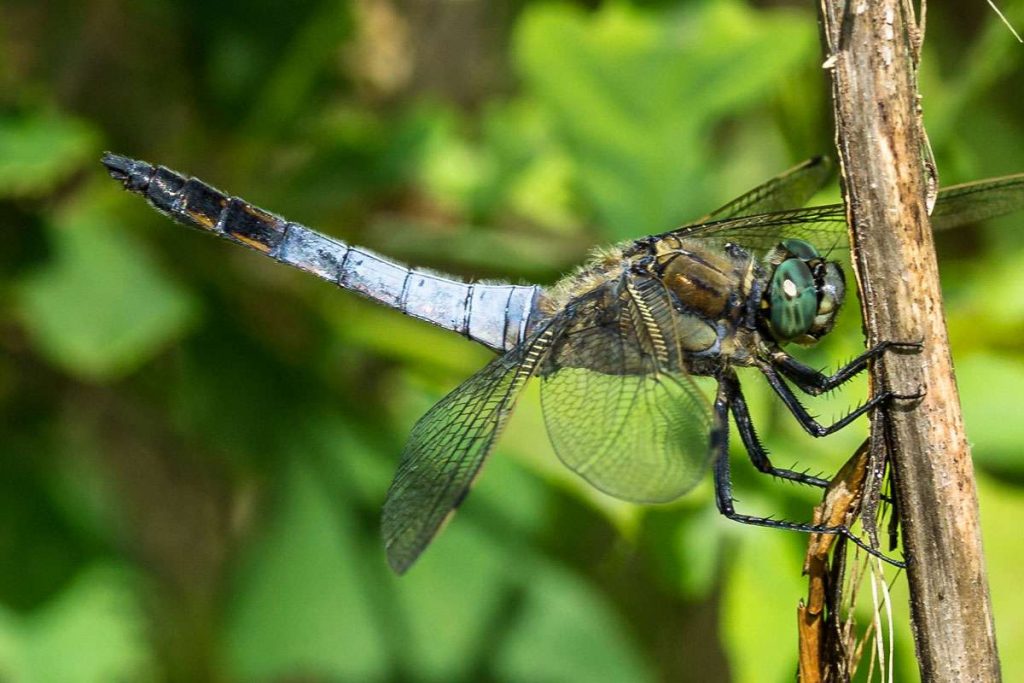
point(815, 529)
point(810, 425)
point(756, 451)
point(720, 451)
point(815, 382)
point(723, 484)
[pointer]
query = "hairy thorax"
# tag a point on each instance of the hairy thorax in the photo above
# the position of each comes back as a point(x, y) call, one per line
point(714, 291)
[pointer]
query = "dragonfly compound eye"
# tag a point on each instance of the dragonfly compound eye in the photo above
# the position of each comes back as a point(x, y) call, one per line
point(800, 249)
point(831, 292)
point(794, 300)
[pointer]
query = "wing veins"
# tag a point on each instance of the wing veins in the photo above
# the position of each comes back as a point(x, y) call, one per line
point(465, 424)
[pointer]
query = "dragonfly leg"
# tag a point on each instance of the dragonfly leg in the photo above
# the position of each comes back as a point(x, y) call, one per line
point(815, 382)
point(757, 452)
point(720, 450)
point(806, 420)
point(723, 486)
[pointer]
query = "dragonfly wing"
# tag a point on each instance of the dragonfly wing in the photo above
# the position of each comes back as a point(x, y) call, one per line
point(620, 410)
point(791, 189)
point(973, 202)
point(825, 226)
point(447, 448)
point(822, 226)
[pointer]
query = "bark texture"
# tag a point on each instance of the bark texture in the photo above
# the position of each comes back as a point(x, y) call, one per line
point(871, 52)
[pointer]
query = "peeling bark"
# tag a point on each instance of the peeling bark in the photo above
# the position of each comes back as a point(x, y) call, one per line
point(821, 659)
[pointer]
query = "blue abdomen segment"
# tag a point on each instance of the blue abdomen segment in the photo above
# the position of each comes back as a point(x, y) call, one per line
point(496, 315)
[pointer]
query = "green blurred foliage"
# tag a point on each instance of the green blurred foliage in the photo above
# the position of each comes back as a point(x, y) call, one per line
point(79, 308)
point(195, 443)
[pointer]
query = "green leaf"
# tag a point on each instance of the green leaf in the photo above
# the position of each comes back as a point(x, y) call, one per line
point(981, 66)
point(993, 422)
point(300, 605)
point(698, 552)
point(38, 151)
point(452, 169)
point(636, 96)
point(567, 632)
point(1001, 507)
point(759, 600)
point(535, 175)
point(452, 597)
point(460, 592)
point(92, 632)
point(100, 308)
point(296, 69)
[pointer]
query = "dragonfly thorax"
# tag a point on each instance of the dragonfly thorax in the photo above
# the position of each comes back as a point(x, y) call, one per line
point(707, 279)
point(804, 294)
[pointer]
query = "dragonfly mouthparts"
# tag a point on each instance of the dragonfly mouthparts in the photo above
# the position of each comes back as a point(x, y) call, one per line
point(134, 175)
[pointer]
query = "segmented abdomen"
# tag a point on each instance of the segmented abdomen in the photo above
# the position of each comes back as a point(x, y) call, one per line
point(496, 315)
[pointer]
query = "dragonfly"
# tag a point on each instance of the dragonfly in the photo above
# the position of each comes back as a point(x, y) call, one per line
point(616, 344)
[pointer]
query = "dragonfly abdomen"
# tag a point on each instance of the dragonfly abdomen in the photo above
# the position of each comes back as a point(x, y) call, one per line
point(495, 315)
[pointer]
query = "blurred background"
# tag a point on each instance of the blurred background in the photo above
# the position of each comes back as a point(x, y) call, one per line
point(195, 442)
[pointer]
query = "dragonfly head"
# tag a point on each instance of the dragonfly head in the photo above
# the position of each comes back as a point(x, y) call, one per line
point(805, 293)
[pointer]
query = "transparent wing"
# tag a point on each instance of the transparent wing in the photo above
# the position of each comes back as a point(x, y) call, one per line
point(448, 447)
point(825, 226)
point(973, 202)
point(822, 226)
point(620, 410)
point(786, 191)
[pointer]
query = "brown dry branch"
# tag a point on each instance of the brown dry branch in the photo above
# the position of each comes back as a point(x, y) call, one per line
point(839, 507)
point(871, 52)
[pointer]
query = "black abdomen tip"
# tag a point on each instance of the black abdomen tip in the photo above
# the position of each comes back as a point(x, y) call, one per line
point(134, 175)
